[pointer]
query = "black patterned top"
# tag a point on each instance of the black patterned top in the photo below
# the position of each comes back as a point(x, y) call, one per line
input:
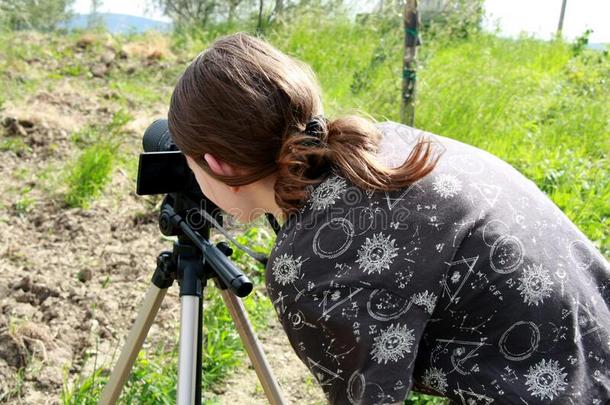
point(469, 284)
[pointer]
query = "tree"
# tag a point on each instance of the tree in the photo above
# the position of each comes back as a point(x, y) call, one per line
point(563, 13)
point(95, 20)
point(412, 41)
point(259, 25)
point(232, 5)
point(44, 15)
point(278, 10)
point(187, 12)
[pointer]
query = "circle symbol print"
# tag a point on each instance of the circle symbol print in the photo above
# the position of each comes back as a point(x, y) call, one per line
point(355, 387)
point(384, 306)
point(392, 344)
point(519, 341)
point(333, 238)
point(506, 254)
point(580, 254)
point(377, 254)
point(286, 269)
point(297, 320)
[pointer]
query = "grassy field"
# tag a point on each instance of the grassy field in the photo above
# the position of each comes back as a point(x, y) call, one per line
point(543, 107)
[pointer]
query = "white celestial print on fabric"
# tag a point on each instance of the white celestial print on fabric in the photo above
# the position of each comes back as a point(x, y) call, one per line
point(384, 306)
point(580, 254)
point(377, 253)
point(447, 185)
point(506, 254)
point(425, 299)
point(436, 379)
point(535, 284)
point(459, 284)
point(546, 379)
point(519, 341)
point(333, 238)
point(392, 343)
point(355, 387)
point(327, 193)
point(286, 268)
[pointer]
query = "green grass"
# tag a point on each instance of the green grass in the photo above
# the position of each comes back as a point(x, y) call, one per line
point(90, 174)
point(15, 145)
point(535, 105)
point(541, 106)
point(93, 169)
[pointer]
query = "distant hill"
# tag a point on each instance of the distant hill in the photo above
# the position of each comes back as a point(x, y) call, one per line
point(598, 46)
point(119, 23)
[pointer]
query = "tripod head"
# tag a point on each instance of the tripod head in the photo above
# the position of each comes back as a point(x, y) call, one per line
point(163, 169)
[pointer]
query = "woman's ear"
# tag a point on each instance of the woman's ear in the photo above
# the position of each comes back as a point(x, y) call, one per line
point(220, 167)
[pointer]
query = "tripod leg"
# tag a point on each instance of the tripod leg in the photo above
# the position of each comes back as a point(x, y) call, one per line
point(187, 360)
point(133, 344)
point(199, 365)
point(253, 348)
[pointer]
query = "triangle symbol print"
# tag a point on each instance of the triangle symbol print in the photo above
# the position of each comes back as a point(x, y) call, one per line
point(456, 276)
point(463, 354)
point(323, 375)
point(586, 321)
point(489, 192)
point(393, 201)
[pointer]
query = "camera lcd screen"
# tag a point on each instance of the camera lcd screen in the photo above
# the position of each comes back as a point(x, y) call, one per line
point(162, 173)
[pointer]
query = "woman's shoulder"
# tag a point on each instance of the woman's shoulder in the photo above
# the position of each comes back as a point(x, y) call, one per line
point(398, 140)
point(362, 239)
point(474, 173)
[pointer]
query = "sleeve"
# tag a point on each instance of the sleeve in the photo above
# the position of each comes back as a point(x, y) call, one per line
point(360, 344)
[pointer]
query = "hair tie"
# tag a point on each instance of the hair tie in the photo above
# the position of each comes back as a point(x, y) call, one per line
point(316, 127)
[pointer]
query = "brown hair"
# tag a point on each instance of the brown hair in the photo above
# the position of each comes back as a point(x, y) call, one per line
point(248, 103)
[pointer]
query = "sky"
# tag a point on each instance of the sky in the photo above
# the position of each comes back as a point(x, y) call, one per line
point(537, 17)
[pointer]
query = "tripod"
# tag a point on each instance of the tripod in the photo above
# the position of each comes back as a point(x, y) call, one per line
point(192, 262)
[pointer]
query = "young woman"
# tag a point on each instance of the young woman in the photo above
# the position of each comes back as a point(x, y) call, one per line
point(406, 260)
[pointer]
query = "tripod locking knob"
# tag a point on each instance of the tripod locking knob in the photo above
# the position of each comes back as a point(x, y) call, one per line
point(225, 248)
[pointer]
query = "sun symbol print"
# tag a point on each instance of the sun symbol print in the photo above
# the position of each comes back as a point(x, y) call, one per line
point(447, 185)
point(436, 379)
point(425, 299)
point(392, 344)
point(327, 192)
point(377, 254)
point(286, 269)
point(534, 284)
point(546, 379)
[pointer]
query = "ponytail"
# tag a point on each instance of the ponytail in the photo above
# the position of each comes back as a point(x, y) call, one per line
point(349, 146)
point(248, 103)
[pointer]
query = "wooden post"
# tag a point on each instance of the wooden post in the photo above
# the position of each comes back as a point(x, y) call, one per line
point(412, 41)
point(259, 27)
point(563, 12)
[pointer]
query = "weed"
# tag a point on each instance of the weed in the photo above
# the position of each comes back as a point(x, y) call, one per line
point(92, 170)
point(90, 174)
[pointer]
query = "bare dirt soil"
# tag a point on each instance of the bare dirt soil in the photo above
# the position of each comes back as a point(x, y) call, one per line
point(71, 280)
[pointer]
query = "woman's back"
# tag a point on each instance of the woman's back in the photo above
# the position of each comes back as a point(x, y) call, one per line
point(470, 281)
